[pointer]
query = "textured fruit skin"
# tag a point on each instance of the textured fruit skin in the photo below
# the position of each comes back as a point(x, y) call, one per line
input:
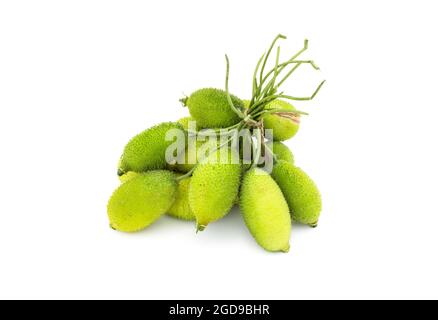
point(301, 193)
point(245, 142)
point(185, 122)
point(265, 211)
point(210, 108)
point(282, 152)
point(181, 207)
point(196, 152)
point(213, 189)
point(128, 176)
point(283, 128)
point(140, 201)
point(147, 150)
point(184, 162)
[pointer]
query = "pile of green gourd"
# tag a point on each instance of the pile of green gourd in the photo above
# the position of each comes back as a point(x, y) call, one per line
point(206, 190)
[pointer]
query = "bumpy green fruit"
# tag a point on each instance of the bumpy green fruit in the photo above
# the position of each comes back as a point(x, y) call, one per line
point(265, 211)
point(193, 154)
point(283, 127)
point(147, 150)
point(210, 108)
point(181, 207)
point(128, 176)
point(214, 188)
point(185, 161)
point(282, 152)
point(300, 191)
point(140, 201)
point(185, 122)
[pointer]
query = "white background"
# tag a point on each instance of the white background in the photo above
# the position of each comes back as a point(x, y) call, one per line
point(79, 78)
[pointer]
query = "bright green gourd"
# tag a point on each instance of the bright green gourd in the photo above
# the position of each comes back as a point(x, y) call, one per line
point(301, 193)
point(147, 150)
point(210, 108)
point(181, 207)
point(140, 201)
point(214, 187)
point(282, 152)
point(284, 125)
point(265, 211)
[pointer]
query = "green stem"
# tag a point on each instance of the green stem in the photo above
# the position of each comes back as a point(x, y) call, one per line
point(274, 156)
point(254, 80)
point(311, 62)
point(187, 175)
point(258, 106)
point(274, 87)
point(230, 101)
point(264, 91)
point(284, 64)
point(304, 98)
point(280, 36)
point(270, 87)
point(299, 63)
point(289, 74)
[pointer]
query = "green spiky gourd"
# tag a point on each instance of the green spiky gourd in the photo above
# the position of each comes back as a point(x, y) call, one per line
point(265, 211)
point(210, 108)
point(214, 188)
point(181, 207)
point(283, 127)
point(147, 150)
point(185, 122)
point(185, 161)
point(128, 176)
point(193, 154)
point(301, 193)
point(282, 152)
point(140, 201)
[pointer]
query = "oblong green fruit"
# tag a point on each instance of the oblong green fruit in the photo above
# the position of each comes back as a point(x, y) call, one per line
point(283, 126)
point(140, 201)
point(214, 187)
point(210, 108)
point(301, 193)
point(181, 207)
point(147, 150)
point(185, 122)
point(265, 211)
point(128, 176)
point(193, 154)
point(282, 152)
point(184, 162)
